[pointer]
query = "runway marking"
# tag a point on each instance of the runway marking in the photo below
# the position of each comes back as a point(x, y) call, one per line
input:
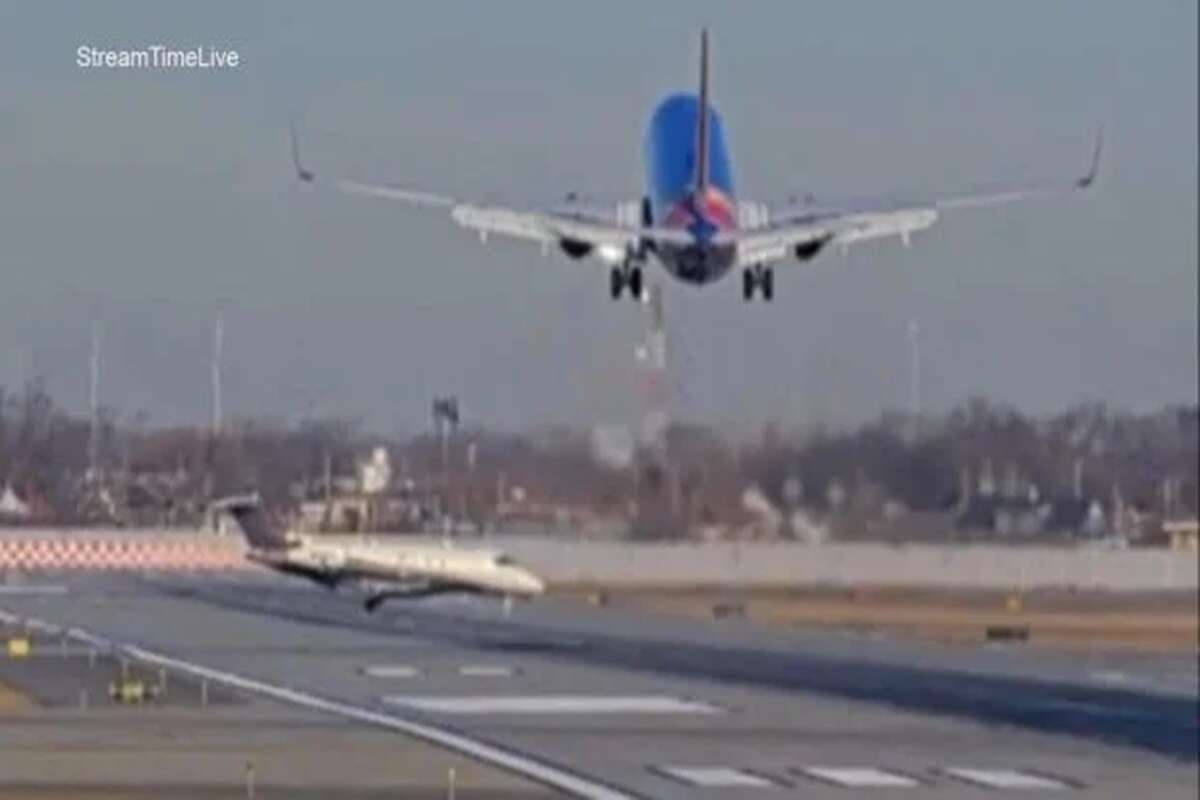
point(552, 704)
point(98, 642)
point(526, 766)
point(861, 777)
point(717, 777)
point(17, 589)
point(485, 671)
point(391, 671)
point(1005, 778)
point(1096, 709)
point(1109, 676)
point(34, 624)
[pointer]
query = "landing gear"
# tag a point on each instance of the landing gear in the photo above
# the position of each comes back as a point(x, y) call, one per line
point(372, 603)
point(761, 278)
point(626, 276)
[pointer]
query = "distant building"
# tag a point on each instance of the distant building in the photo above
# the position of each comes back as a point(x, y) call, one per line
point(1183, 534)
point(1031, 517)
point(13, 507)
point(375, 474)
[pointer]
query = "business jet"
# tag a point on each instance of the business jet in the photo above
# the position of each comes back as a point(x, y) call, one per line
point(387, 570)
point(689, 220)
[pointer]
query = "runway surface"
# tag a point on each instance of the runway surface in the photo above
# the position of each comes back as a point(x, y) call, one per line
point(618, 703)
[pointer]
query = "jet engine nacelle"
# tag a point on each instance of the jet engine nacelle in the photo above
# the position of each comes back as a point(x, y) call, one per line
point(575, 248)
point(809, 250)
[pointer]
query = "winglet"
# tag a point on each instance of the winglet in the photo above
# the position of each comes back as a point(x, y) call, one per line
point(303, 174)
point(1090, 178)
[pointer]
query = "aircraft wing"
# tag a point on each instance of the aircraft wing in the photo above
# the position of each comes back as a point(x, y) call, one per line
point(572, 223)
point(554, 226)
point(808, 226)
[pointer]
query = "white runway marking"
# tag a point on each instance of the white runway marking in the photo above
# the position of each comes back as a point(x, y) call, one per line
point(391, 671)
point(18, 589)
point(717, 777)
point(1109, 676)
point(547, 774)
point(1096, 709)
point(553, 704)
point(485, 671)
point(98, 642)
point(860, 777)
point(34, 624)
point(1004, 778)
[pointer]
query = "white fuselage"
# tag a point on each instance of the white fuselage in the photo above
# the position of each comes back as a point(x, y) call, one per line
point(361, 558)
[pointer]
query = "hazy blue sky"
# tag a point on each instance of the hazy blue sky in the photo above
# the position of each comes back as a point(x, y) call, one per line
point(151, 201)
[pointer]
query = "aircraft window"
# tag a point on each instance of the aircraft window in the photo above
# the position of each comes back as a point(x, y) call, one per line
point(504, 561)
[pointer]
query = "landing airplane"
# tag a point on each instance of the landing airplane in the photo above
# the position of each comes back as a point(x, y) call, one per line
point(389, 570)
point(689, 219)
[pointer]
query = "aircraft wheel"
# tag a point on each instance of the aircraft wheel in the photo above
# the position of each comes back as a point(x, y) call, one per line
point(766, 282)
point(635, 283)
point(748, 285)
point(616, 283)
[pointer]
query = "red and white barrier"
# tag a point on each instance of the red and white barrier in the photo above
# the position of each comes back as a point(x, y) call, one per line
point(120, 551)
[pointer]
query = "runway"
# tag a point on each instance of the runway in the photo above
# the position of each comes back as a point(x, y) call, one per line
point(648, 706)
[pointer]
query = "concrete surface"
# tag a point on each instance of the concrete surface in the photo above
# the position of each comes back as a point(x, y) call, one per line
point(156, 750)
point(798, 714)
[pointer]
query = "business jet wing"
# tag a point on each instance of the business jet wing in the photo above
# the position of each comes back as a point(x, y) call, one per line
point(612, 232)
point(809, 227)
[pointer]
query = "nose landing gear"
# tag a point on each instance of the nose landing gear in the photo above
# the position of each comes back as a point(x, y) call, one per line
point(760, 278)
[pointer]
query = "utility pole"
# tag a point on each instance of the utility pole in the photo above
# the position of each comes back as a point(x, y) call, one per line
point(657, 486)
point(214, 434)
point(914, 377)
point(656, 420)
point(94, 405)
point(445, 422)
point(218, 346)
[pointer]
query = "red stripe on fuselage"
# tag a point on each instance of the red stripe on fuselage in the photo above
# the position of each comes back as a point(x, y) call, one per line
point(716, 207)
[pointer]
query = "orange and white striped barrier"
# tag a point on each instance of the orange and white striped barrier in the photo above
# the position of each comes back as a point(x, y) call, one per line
point(134, 551)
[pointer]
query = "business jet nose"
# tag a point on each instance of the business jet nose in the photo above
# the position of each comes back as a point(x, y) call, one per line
point(532, 584)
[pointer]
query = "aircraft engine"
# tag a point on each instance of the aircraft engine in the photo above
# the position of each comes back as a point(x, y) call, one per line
point(575, 248)
point(809, 250)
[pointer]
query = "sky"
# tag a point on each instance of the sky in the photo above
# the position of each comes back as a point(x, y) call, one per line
point(145, 204)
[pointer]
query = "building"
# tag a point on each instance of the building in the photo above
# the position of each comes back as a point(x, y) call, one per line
point(1183, 534)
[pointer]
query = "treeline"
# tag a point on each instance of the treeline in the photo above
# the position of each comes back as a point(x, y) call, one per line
point(1139, 460)
point(1142, 460)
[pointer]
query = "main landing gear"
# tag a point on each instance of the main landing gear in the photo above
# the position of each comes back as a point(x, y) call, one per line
point(627, 276)
point(760, 278)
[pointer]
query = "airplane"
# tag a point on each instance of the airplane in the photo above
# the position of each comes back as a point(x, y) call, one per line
point(388, 570)
point(689, 219)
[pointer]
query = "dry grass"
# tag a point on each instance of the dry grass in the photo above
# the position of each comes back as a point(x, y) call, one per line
point(1063, 619)
point(12, 701)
